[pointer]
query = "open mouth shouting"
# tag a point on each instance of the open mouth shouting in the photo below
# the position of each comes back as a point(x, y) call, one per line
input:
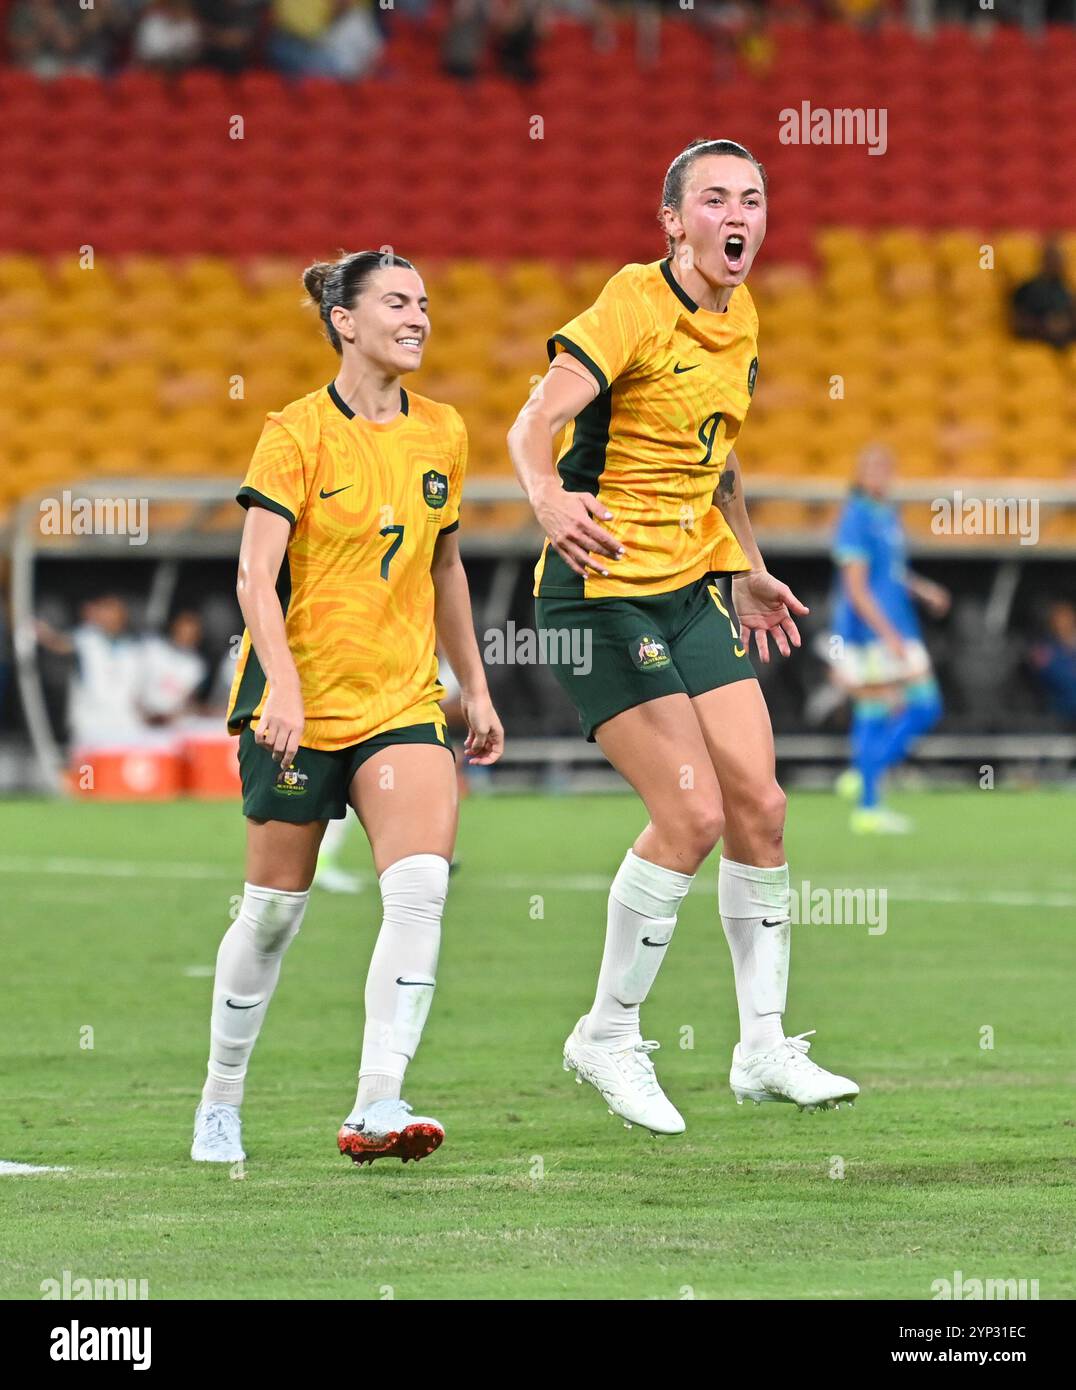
point(735, 251)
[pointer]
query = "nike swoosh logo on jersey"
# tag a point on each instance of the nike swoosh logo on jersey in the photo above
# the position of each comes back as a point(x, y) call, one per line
point(243, 1006)
point(401, 981)
point(678, 370)
point(777, 922)
point(648, 942)
point(323, 494)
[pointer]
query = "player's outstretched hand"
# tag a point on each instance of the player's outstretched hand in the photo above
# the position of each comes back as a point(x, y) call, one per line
point(280, 728)
point(566, 518)
point(764, 607)
point(485, 734)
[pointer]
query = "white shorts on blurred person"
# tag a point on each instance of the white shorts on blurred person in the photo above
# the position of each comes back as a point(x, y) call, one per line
point(873, 663)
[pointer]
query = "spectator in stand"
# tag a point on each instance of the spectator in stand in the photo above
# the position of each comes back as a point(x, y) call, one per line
point(647, 16)
point(1054, 661)
point(230, 31)
point(168, 36)
point(52, 37)
point(866, 13)
point(324, 38)
point(464, 43)
point(516, 32)
point(512, 28)
point(1042, 307)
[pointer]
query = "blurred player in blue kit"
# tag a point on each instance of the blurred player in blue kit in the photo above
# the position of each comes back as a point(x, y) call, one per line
point(877, 649)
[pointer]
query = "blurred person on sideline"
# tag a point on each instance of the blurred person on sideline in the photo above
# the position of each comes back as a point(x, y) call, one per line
point(174, 670)
point(103, 705)
point(876, 647)
point(1053, 660)
point(1043, 309)
point(6, 655)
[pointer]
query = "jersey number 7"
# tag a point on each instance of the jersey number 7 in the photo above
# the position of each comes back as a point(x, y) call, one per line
point(397, 534)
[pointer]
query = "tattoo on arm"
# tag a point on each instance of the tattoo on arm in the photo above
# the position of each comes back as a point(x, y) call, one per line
point(726, 487)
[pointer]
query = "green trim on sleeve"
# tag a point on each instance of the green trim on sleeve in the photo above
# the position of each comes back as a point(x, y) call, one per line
point(845, 555)
point(447, 530)
point(580, 356)
point(250, 496)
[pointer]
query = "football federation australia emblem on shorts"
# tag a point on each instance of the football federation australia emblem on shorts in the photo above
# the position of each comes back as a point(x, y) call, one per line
point(752, 373)
point(434, 489)
point(291, 782)
point(649, 653)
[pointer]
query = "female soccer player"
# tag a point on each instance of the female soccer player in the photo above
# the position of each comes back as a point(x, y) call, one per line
point(653, 382)
point(349, 567)
point(880, 658)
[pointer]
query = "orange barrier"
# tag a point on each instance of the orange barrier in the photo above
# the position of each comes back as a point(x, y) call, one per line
point(211, 766)
point(140, 773)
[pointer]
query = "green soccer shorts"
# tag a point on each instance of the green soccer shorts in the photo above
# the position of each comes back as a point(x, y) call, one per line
point(611, 654)
point(316, 785)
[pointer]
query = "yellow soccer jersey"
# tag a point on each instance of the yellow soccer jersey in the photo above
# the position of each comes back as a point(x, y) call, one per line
point(676, 381)
point(367, 503)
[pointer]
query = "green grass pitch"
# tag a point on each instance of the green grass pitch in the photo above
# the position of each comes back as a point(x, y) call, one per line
point(958, 1156)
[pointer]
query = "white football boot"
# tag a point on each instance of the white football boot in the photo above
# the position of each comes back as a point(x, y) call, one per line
point(878, 820)
point(786, 1073)
point(333, 879)
point(386, 1129)
point(624, 1075)
point(217, 1134)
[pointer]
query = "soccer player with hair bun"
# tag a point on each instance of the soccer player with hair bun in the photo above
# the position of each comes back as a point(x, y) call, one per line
point(349, 571)
point(643, 514)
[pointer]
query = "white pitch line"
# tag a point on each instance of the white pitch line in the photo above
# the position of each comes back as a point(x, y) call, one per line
point(565, 883)
point(114, 868)
point(591, 883)
point(8, 1169)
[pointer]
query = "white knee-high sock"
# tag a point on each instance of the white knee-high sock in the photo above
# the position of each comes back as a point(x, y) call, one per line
point(403, 970)
point(754, 907)
point(248, 967)
point(643, 903)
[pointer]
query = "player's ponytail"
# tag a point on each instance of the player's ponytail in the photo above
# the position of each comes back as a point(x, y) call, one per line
point(340, 282)
point(672, 192)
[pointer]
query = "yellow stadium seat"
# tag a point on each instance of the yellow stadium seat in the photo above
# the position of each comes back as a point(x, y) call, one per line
point(1017, 254)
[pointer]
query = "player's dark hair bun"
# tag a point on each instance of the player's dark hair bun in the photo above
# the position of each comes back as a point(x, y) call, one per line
point(314, 279)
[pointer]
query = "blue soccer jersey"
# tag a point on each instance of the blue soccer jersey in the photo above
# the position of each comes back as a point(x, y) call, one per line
point(871, 531)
